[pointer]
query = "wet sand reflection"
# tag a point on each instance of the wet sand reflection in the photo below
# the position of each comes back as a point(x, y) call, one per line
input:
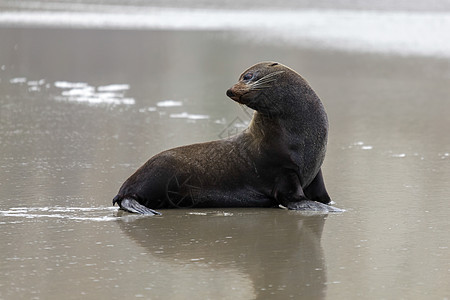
point(249, 252)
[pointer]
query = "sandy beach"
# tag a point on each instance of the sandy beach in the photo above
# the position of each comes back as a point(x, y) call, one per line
point(82, 108)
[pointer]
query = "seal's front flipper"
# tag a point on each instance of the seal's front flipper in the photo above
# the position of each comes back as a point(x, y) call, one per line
point(131, 205)
point(316, 190)
point(312, 206)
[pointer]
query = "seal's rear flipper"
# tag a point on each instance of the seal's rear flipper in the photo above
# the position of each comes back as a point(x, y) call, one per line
point(131, 205)
point(313, 206)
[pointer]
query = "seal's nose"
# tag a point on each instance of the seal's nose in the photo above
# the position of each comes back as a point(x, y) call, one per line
point(230, 93)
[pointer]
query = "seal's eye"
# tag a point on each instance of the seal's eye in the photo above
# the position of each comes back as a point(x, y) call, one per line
point(248, 76)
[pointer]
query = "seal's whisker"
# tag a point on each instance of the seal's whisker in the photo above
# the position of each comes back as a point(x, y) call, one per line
point(269, 76)
point(264, 81)
point(260, 87)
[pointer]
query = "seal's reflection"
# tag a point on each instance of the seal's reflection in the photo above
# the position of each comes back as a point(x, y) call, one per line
point(278, 252)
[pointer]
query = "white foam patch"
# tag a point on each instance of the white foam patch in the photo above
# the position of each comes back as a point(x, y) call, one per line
point(408, 33)
point(81, 92)
point(85, 91)
point(185, 115)
point(18, 80)
point(399, 155)
point(70, 85)
point(36, 82)
point(169, 103)
point(99, 100)
point(113, 88)
point(147, 109)
point(97, 214)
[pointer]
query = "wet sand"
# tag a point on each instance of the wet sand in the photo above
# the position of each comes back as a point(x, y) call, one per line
point(81, 110)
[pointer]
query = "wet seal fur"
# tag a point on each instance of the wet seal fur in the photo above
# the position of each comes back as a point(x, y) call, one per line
point(276, 161)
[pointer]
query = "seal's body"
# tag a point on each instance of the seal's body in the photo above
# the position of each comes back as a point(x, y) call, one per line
point(275, 161)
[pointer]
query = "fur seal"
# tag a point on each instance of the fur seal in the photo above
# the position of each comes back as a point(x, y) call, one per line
point(275, 161)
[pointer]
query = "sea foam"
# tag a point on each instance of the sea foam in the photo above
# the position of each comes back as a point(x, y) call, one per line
point(405, 33)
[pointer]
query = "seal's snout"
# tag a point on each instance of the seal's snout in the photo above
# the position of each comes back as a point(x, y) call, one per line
point(234, 93)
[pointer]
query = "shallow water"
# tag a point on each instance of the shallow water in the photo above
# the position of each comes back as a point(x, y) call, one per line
point(76, 121)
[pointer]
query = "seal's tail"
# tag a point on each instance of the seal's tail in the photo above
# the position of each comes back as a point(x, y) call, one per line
point(131, 205)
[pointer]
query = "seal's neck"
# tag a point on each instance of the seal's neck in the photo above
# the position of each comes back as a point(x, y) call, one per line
point(290, 128)
point(262, 125)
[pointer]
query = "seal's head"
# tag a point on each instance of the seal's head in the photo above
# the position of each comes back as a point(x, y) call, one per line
point(267, 87)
